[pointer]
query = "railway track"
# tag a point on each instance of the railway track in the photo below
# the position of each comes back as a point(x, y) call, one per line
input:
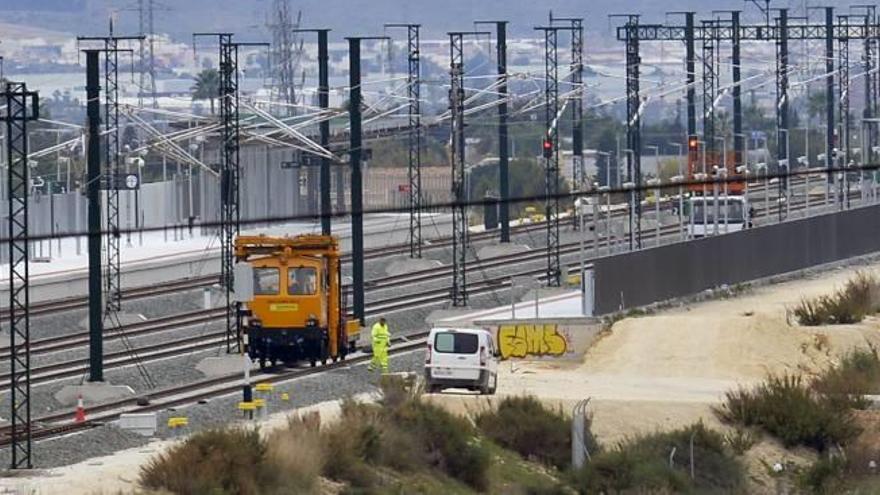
point(211, 340)
point(58, 424)
point(432, 275)
point(81, 302)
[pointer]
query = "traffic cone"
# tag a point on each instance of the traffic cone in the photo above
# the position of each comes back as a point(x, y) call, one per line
point(80, 415)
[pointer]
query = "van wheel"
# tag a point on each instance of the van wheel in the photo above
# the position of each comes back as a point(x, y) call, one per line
point(484, 388)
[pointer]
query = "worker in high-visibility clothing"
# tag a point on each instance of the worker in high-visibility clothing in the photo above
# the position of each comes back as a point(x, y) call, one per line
point(381, 341)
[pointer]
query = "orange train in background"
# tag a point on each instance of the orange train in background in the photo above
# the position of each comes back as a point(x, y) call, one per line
point(696, 166)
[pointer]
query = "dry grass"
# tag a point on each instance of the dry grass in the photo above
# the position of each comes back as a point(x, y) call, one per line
point(859, 297)
point(296, 454)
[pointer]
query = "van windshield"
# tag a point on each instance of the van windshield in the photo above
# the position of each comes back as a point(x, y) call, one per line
point(456, 343)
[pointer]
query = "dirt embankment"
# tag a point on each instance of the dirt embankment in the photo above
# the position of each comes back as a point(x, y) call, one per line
point(666, 370)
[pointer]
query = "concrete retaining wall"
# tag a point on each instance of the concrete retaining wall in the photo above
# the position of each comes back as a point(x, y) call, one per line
point(543, 338)
point(676, 270)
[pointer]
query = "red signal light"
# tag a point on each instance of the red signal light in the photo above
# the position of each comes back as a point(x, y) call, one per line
point(693, 143)
point(547, 146)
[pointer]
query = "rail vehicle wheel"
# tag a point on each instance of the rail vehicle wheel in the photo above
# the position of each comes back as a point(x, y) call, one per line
point(274, 362)
point(313, 362)
point(262, 362)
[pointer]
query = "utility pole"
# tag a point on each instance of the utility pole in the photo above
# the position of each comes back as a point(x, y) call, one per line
point(17, 116)
point(112, 165)
point(829, 97)
point(93, 193)
point(736, 62)
point(355, 101)
point(414, 169)
point(324, 126)
point(230, 194)
point(460, 241)
point(503, 148)
point(869, 64)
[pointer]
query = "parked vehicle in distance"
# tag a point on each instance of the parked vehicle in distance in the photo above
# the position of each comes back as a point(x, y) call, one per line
point(461, 358)
point(732, 213)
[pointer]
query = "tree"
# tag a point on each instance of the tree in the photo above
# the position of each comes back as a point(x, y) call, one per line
point(206, 87)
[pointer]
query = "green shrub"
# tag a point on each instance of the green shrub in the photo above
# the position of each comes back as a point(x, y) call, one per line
point(350, 442)
point(790, 410)
point(221, 461)
point(661, 462)
point(404, 434)
point(526, 426)
point(450, 442)
point(825, 476)
point(858, 374)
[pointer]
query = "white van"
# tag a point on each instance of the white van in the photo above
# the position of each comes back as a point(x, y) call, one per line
point(461, 358)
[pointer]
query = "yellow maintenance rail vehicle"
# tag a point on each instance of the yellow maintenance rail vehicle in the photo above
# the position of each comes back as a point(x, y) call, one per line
point(293, 304)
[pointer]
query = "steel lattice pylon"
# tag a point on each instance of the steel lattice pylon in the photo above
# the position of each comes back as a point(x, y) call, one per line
point(230, 195)
point(844, 112)
point(414, 172)
point(414, 169)
point(551, 159)
point(17, 116)
point(868, 62)
point(457, 156)
point(782, 102)
point(710, 85)
point(112, 279)
point(634, 126)
point(576, 101)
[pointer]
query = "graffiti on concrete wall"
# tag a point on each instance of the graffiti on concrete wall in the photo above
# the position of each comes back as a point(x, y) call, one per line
point(531, 340)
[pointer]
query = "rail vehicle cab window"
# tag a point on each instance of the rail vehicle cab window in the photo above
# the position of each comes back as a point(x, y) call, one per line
point(302, 281)
point(266, 281)
point(456, 343)
point(735, 213)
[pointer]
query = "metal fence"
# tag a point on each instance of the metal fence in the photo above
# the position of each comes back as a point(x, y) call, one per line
point(643, 277)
